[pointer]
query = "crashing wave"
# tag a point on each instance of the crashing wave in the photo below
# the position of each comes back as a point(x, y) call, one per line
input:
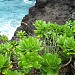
point(28, 1)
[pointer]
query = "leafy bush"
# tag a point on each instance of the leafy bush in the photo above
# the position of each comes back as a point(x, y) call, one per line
point(21, 34)
point(30, 44)
point(40, 52)
point(8, 72)
point(67, 44)
point(3, 38)
point(51, 64)
point(4, 63)
point(29, 61)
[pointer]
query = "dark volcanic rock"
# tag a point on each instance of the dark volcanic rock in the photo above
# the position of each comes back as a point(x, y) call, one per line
point(40, 3)
point(58, 11)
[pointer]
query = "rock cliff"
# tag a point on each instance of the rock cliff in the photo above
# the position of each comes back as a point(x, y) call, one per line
point(58, 11)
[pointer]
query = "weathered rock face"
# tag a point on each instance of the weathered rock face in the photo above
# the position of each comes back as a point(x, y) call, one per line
point(58, 11)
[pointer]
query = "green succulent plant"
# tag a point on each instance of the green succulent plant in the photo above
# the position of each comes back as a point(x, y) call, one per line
point(1, 48)
point(3, 38)
point(68, 31)
point(41, 28)
point(6, 48)
point(29, 61)
point(21, 34)
point(60, 40)
point(9, 72)
point(67, 44)
point(30, 44)
point(4, 62)
point(51, 64)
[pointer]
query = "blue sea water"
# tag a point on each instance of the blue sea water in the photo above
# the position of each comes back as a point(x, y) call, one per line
point(11, 14)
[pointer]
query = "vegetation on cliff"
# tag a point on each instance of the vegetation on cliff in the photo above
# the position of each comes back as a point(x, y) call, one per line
point(50, 49)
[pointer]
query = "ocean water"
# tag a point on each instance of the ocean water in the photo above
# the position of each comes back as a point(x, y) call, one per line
point(11, 14)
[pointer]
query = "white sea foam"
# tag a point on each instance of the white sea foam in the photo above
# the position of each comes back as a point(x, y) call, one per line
point(28, 2)
point(8, 29)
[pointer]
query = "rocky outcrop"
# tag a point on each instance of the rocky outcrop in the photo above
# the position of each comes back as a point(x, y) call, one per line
point(58, 11)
